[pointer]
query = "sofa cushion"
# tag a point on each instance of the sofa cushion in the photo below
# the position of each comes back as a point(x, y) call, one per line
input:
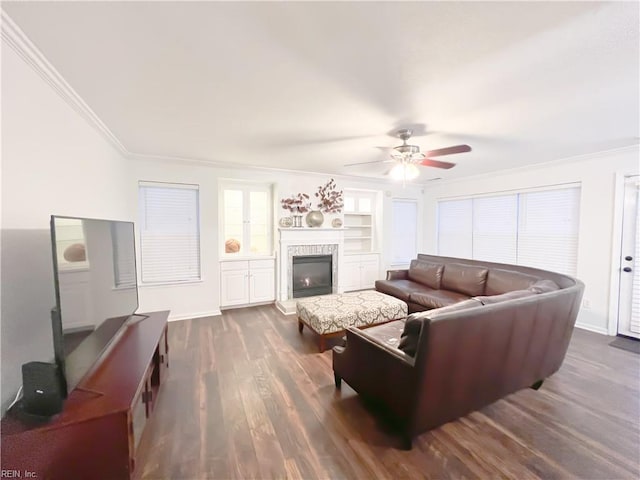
point(501, 281)
point(469, 303)
point(544, 286)
point(399, 288)
point(410, 334)
point(490, 299)
point(428, 273)
point(388, 333)
point(467, 279)
point(436, 298)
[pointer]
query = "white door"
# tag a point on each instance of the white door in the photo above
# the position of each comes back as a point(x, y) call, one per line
point(629, 310)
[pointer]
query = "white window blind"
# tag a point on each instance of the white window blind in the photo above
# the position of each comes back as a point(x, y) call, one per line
point(548, 229)
point(169, 233)
point(455, 228)
point(495, 228)
point(404, 235)
point(124, 259)
point(537, 229)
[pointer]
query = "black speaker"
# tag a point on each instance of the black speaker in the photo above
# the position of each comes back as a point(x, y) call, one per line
point(42, 389)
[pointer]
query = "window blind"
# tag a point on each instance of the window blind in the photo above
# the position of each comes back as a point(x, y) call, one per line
point(169, 233)
point(404, 231)
point(495, 228)
point(455, 228)
point(548, 224)
point(536, 228)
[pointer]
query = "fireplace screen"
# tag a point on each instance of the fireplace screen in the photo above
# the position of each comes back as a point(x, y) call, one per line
point(312, 275)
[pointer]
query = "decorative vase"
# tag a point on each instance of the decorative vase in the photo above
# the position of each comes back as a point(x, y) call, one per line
point(297, 220)
point(315, 218)
point(286, 222)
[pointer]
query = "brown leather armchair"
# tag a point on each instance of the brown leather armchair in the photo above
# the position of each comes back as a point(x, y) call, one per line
point(466, 355)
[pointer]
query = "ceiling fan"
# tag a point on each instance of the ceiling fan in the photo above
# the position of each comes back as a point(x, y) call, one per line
point(407, 157)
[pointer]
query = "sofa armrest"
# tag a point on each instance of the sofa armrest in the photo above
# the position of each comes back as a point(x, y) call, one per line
point(377, 371)
point(367, 341)
point(397, 274)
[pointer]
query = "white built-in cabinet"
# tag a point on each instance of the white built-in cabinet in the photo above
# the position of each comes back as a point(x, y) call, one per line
point(360, 271)
point(245, 282)
point(359, 221)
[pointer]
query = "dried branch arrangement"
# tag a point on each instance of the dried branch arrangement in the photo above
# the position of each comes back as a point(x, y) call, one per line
point(329, 198)
point(298, 203)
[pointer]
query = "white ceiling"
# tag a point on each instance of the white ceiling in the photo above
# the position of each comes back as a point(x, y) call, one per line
point(314, 86)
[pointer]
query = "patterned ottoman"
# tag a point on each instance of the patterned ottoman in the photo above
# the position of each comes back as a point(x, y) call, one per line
point(330, 315)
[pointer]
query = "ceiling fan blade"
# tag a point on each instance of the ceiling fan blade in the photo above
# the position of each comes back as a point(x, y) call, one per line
point(365, 163)
point(448, 151)
point(437, 164)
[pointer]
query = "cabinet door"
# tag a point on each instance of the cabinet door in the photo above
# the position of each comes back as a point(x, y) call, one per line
point(262, 285)
point(138, 416)
point(234, 287)
point(351, 276)
point(163, 349)
point(369, 273)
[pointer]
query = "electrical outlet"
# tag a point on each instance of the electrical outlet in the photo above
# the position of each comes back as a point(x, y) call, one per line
point(586, 303)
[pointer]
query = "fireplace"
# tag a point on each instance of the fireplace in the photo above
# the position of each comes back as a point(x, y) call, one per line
point(312, 275)
point(304, 242)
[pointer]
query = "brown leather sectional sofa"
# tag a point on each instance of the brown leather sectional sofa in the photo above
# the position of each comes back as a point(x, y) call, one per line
point(486, 331)
point(431, 282)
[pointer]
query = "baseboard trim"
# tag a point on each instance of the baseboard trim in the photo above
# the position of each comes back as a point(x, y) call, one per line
point(288, 307)
point(188, 316)
point(591, 328)
point(246, 305)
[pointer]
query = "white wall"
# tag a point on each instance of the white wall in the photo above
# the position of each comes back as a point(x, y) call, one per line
point(203, 298)
point(596, 174)
point(53, 162)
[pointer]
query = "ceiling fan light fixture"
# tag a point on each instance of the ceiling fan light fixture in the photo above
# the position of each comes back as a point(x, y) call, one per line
point(404, 171)
point(408, 156)
point(407, 149)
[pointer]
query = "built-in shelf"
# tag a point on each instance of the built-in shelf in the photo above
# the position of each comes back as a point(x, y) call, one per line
point(359, 221)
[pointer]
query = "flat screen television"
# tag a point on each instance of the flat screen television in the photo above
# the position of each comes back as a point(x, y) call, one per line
point(96, 290)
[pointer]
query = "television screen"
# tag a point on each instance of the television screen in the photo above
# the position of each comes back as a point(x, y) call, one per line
point(96, 291)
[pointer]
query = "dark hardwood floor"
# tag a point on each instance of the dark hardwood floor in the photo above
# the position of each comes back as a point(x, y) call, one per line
point(247, 396)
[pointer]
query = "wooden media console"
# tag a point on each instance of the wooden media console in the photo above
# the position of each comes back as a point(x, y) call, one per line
point(97, 433)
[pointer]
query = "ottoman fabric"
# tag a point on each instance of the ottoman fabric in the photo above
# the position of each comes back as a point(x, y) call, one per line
point(334, 313)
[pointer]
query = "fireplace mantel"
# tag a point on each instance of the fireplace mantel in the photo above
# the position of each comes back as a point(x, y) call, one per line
point(331, 238)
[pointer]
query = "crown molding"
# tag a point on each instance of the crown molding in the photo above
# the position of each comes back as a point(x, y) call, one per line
point(550, 163)
point(235, 166)
point(15, 38)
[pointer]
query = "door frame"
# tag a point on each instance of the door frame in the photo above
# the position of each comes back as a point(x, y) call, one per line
point(616, 251)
